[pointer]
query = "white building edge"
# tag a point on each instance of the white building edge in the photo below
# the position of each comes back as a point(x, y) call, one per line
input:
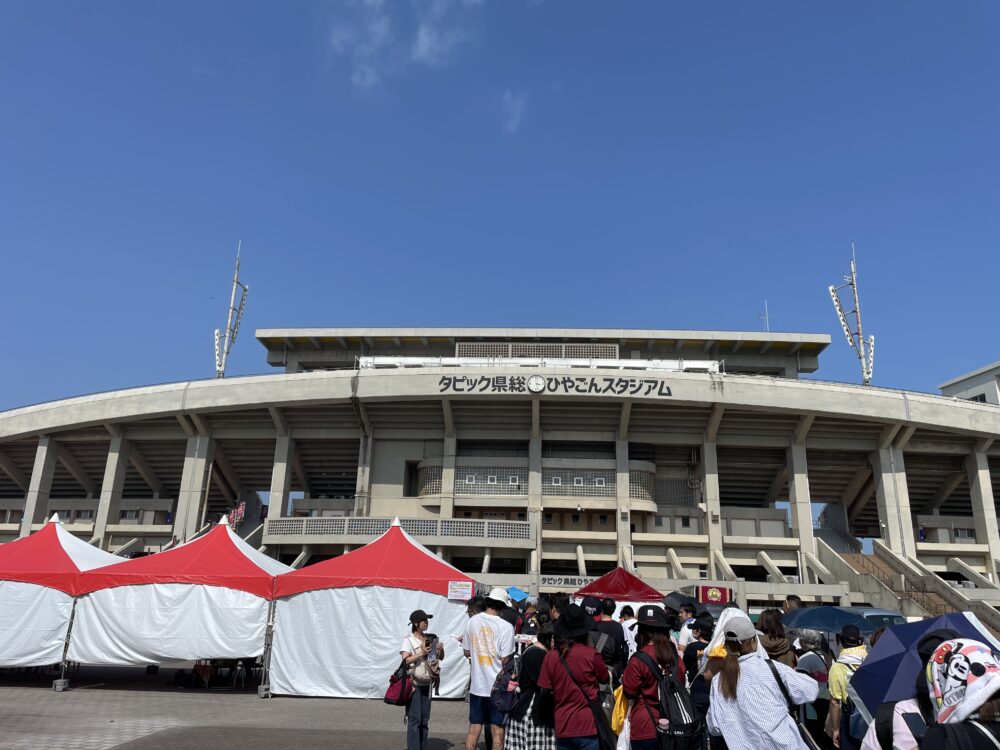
point(542, 457)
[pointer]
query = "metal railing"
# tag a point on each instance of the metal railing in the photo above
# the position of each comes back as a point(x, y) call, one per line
point(417, 527)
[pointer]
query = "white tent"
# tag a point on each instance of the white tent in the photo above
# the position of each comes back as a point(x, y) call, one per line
point(339, 624)
point(206, 599)
point(39, 576)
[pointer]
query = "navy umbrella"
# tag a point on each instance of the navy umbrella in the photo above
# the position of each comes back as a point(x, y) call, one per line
point(830, 619)
point(890, 671)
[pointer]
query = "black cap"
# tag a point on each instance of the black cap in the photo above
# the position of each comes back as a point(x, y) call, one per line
point(655, 618)
point(592, 606)
point(850, 635)
point(419, 616)
point(572, 623)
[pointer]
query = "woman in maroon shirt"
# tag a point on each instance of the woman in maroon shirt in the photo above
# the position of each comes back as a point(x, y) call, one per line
point(572, 671)
point(638, 681)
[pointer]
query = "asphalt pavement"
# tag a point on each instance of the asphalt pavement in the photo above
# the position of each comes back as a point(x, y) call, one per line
point(125, 709)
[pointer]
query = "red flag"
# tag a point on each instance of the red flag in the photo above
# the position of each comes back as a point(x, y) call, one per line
point(714, 595)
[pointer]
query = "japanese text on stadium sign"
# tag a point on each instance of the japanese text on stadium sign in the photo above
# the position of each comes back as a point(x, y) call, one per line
point(558, 385)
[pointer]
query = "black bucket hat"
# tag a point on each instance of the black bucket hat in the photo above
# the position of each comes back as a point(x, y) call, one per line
point(655, 618)
point(572, 623)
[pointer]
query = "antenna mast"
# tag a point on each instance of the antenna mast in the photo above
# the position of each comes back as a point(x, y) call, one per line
point(224, 342)
point(864, 348)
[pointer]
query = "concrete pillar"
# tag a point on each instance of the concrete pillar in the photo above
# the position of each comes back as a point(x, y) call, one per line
point(624, 517)
point(111, 489)
point(581, 561)
point(362, 491)
point(713, 504)
point(835, 517)
point(801, 506)
point(535, 500)
point(40, 485)
point(281, 475)
point(194, 486)
point(487, 554)
point(983, 508)
point(448, 477)
point(893, 499)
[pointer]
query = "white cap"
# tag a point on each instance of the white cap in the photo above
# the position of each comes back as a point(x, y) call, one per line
point(499, 594)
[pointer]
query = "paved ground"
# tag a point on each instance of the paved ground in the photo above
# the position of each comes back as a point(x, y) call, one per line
point(125, 709)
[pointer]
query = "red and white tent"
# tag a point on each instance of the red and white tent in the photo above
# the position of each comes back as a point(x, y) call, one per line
point(339, 624)
point(205, 599)
point(39, 576)
point(623, 587)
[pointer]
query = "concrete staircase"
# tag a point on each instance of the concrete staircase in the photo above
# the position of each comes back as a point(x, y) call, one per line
point(869, 584)
point(871, 565)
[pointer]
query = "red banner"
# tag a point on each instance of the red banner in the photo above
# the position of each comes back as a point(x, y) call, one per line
point(714, 595)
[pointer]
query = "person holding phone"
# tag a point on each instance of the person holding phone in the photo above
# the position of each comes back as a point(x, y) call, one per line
point(421, 655)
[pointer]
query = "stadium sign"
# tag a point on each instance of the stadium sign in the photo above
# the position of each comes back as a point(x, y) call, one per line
point(561, 385)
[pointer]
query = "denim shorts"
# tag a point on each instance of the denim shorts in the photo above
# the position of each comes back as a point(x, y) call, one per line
point(481, 712)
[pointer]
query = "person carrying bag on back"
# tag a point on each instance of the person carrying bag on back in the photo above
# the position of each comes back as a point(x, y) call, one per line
point(662, 716)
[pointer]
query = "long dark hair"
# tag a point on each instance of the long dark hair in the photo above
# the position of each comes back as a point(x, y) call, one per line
point(565, 644)
point(666, 654)
point(729, 678)
point(770, 623)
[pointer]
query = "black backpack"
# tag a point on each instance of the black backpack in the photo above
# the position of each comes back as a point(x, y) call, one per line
point(503, 695)
point(686, 730)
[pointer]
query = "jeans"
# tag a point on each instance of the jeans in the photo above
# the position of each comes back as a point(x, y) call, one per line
point(418, 717)
point(577, 743)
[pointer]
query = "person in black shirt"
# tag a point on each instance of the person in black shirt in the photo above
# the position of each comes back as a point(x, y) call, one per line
point(615, 651)
point(695, 656)
point(523, 733)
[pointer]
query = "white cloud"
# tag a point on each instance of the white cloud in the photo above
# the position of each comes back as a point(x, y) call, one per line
point(515, 106)
point(379, 39)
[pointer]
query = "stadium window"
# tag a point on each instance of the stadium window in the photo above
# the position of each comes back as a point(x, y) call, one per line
point(979, 398)
point(599, 482)
point(522, 516)
point(658, 521)
point(602, 519)
point(84, 515)
point(491, 479)
point(129, 515)
point(514, 480)
point(575, 519)
point(686, 522)
point(470, 478)
point(548, 518)
point(578, 481)
point(703, 572)
point(556, 481)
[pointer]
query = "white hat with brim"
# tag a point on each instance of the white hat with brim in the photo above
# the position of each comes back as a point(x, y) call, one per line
point(499, 594)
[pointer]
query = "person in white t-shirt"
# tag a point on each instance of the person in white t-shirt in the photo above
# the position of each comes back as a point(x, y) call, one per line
point(686, 634)
point(488, 642)
point(421, 657)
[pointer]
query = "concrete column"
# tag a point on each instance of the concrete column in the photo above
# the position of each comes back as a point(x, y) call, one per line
point(194, 486)
point(893, 499)
point(281, 475)
point(624, 517)
point(362, 491)
point(487, 554)
point(36, 502)
point(983, 508)
point(801, 506)
point(448, 477)
point(581, 561)
point(713, 504)
point(535, 500)
point(111, 489)
point(835, 517)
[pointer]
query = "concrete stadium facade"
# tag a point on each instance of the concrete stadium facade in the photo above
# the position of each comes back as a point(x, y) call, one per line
point(541, 457)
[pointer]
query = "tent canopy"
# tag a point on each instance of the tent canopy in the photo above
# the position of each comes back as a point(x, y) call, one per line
point(51, 557)
point(621, 586)
point(394, 560)
point(219, 558)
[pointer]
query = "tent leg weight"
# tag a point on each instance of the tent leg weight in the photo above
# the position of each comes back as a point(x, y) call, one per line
point(60, 685)
point(263, 691)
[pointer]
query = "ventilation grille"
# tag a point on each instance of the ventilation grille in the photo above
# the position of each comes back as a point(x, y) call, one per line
point(640, 485)
point(428, 480)
point(490, 480)
point(670, 493)
point(531, 349)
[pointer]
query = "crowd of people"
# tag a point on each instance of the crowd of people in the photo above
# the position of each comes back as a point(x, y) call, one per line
point(680, 679)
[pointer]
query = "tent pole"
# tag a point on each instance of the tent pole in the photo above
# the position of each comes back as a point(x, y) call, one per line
point(264, 689)
point(62, 683)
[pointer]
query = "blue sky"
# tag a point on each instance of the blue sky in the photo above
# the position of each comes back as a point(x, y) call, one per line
point(514, 162)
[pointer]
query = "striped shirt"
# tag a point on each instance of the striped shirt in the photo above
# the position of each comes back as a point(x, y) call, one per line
point(758, 719)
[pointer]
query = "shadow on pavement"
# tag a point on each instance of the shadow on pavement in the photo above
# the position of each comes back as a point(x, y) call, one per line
point(256, 738)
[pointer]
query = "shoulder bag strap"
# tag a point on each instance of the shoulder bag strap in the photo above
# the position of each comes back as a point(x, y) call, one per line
point(992, 738)
point(658, 674)
point(781, 686)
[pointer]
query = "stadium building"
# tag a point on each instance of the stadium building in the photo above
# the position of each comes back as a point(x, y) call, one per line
point(541, 458)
